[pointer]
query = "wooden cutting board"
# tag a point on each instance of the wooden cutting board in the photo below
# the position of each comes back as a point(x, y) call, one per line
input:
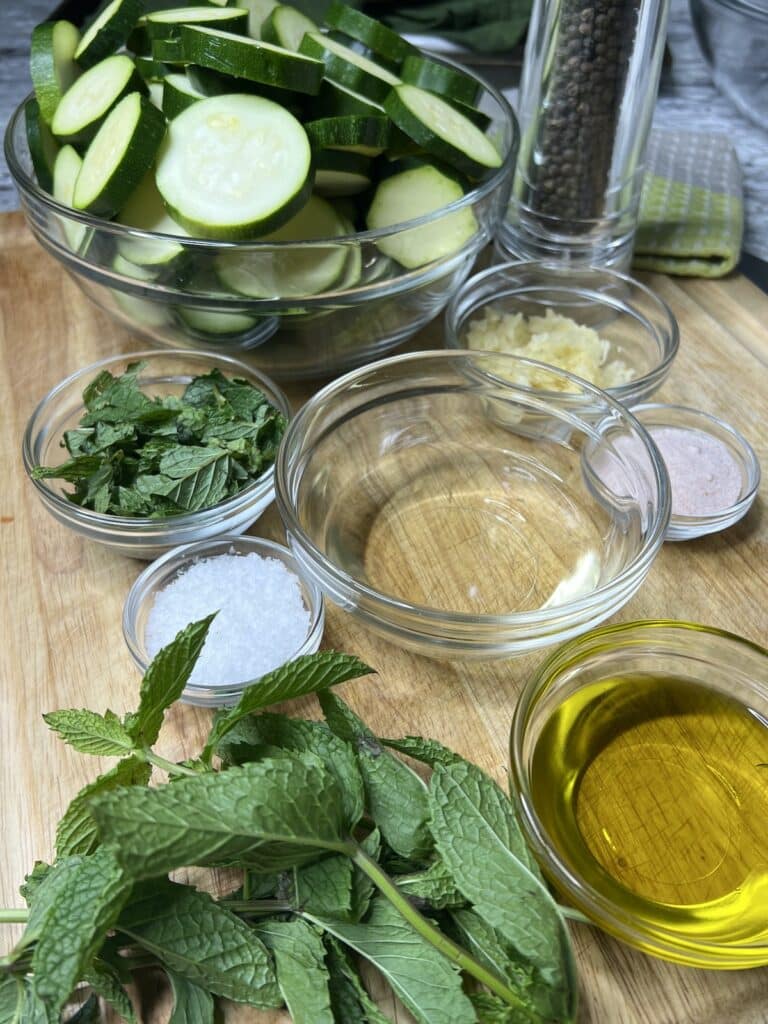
point(61, 602)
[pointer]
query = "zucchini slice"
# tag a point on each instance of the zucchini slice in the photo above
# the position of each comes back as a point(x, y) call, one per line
point(178, 94)
point(210, 321)
point(414, 193)
point(66, 171)
point(146, 211)
point(336, 100)
point(119, 156)
point(441, 130)
point(348, 68)
point(445, 81)
point(258, 11)
point(304, 270)
point(213, 83)
point(43, 148)
point(341, 174)
point(87, 102)
point(377, 37)
point(52, 63)
point(353, 132)
point(234, 166)
point(108, 31)
point(152, 70)
point(168, 51)
point(251, 59)
point(167, 24)
point(125, 268)
point(286, 27)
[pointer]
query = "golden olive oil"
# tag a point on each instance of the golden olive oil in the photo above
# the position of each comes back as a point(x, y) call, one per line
point(654, 790)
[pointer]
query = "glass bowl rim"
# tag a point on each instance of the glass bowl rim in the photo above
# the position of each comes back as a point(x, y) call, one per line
point(600, 910)
point(669, 344)
point(30, 187)
point(134, 524)
point(387, 603)
point(187, 554)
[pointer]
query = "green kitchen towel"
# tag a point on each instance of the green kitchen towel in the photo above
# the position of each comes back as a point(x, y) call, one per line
point(691, 213)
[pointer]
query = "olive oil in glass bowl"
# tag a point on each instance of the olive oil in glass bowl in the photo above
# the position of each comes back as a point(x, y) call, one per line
point(640, 756)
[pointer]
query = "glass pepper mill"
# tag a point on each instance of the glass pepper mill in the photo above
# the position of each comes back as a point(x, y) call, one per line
point(589, 84)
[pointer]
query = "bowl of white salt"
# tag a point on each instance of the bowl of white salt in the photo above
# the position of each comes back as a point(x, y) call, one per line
point(267, 612)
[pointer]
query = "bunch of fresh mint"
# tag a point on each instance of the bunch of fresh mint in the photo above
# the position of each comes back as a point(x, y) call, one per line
point(136, 455)
point(345, 854)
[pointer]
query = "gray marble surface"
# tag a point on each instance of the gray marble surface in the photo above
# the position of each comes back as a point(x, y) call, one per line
point(687, 100)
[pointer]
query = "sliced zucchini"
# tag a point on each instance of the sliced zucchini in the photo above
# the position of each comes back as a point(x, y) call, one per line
point(447, 82)
point(138, 41)
point(336, 100)
point(125, 268)
point(169, 51)
point(438, 128)
point(293, 271)
point(348, 68)
point(43, 148)
point(119, 156)
point(213, 83)
point(258, 10)
point(478, 117)
point(377, 37)
point(167, 24)
point(52, 64)
point(234, 166)
point(341, 174)
point(414, 193)
point(142, 313)
point(285, 26)
point(108, 31)
point(353, 132)
point(251, 59)
point(152, 70)
point(66, 171)
point(178, 94)
point(87, 102)
point(156, 90)
point(213, 321)
point(146, 211)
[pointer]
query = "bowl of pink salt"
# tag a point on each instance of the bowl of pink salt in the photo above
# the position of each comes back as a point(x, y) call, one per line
point(714, 473)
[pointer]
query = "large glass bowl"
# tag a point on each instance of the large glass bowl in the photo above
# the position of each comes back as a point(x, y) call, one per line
point(460, 514)
point(165, 373)
point(372, 306)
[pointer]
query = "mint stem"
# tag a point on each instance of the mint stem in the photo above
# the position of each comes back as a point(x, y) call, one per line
point(428, 931)
point(258, 906)
point(168, 766)
point(14, 916)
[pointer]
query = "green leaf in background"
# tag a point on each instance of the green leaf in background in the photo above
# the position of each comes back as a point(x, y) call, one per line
point(164, 681)
point(325, 887)
point(198, 939)
point(301, 972)
point(271, 815)
point(429, 751)
point(75, 906)
point(396, 796)
point(423, 978)
point(104, 981)
point(349, 999)
point(76, 831)
point(488, 26)
point(250, 737)
point(477, 835)
point(435, 886)
point(11, 998)
point(297, 678)
point(191, 1004)
point(91, 733)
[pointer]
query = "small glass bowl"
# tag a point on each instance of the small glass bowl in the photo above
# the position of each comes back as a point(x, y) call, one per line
point(640, 329)
point(691, 654)
point(160, 573)
point(683, 527)
point(167, 372)
point(454, 512)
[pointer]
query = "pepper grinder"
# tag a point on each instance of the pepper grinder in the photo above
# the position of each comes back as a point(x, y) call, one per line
point(589, 85)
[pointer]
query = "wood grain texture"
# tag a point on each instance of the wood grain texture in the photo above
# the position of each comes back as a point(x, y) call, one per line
point(61, 603)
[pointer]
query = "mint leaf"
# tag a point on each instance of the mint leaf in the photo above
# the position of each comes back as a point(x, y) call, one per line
point(429, 751)
point(201, 941)
point(435, 886)
point(271, 815)
point(191, 1004)
point(33, 881)
point(301, 972)
point(79, 902)
point(251, 737)
point(73, 470)
point(362, 886)
point(89, 1012)
point(423, 978)
point(12, 998)
point(199, 474)
point(307, 674)
point(492, 1010)
point(91, 733)
point(396, 796)
point(350, 1002)
point(477, 835)
point(325, 887)
point(164, 681)
point(105, 982)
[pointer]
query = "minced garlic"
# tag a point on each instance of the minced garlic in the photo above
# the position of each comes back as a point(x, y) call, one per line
point(553, 339)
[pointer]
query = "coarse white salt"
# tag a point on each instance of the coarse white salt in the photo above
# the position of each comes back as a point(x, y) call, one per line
point(261, 622)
